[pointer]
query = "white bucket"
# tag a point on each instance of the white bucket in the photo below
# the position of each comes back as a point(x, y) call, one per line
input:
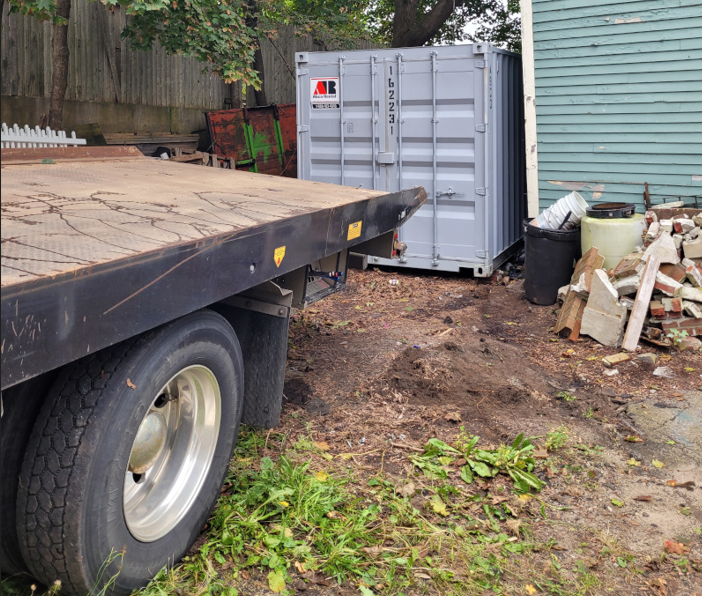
point(554, 216)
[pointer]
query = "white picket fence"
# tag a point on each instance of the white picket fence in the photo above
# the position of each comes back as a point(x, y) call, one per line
point(26, 137)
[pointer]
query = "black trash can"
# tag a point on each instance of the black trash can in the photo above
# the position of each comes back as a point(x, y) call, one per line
point(549, 261)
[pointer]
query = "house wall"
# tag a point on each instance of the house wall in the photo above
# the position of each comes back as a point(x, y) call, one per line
point(618, 98)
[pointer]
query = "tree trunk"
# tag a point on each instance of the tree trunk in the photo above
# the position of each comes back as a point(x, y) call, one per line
point(408, 32)
point(252, 23)
point(260, 94)
point(405, 19)
point(59, 59)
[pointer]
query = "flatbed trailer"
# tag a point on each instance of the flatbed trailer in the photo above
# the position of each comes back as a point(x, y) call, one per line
point(145, 307)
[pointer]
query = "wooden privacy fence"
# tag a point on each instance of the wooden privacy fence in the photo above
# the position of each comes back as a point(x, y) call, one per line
point(104, 69)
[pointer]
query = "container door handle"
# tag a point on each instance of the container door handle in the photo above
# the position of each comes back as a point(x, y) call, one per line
point(450, 192)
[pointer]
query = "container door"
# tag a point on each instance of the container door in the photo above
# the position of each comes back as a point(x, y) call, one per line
point(341, 100)
point(431, 105)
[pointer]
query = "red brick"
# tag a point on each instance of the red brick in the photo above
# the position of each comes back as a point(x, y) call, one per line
point(628, 266)
point(692, 326)
point(657, 308)
point(676, 272)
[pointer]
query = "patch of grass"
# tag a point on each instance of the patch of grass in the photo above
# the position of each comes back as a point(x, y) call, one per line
point(566, 396)
point(288, 517)
point(557, 438)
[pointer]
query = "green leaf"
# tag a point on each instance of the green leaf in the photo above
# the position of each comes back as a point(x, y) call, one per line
point(617, 503)
point(276, 581)
point(466, 474)
point(526, 478)
point(438, 506)
point(441, 446)
point(366, 591)
point(480, 469)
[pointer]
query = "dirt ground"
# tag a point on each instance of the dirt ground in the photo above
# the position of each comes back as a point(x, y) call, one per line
point(401, 357)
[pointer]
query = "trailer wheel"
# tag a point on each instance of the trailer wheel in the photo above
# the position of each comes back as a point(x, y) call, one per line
point(128, 454)
point(21, 407)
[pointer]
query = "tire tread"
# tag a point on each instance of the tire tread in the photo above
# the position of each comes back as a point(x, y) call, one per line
point(49, 461)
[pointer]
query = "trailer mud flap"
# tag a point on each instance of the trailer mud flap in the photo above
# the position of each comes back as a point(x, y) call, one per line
point(261, 317)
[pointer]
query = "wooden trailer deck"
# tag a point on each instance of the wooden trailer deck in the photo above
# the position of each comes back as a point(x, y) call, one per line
point(97, 250)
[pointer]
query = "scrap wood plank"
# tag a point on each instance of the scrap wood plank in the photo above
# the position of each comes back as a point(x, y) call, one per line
point(643, 299)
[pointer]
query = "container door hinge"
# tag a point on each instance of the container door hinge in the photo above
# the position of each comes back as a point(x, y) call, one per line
point(480, 64)
point(481, 191)
point(303, 71)
point(481, 128)
point(386, 158)
point(303, 128)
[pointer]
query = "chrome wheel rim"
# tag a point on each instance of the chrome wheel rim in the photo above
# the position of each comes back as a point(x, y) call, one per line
point(172, 453)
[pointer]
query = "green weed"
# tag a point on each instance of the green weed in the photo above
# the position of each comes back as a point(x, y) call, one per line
point(557, 438)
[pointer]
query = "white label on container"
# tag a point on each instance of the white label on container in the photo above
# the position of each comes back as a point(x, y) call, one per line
point(324, 93)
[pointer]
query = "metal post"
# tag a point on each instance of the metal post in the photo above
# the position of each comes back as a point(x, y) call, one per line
point(341, 114)
point(399, 118)
point(403, 258)
point(434, 121)
point(374, 158)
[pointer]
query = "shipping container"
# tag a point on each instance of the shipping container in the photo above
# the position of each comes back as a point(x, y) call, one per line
point(450, 119)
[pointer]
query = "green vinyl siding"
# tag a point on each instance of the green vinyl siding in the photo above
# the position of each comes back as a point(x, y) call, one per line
point(618, 98)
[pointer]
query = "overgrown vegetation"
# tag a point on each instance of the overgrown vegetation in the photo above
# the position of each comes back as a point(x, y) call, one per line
point(460, 524)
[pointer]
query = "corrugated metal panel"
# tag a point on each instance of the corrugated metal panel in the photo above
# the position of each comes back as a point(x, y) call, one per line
point(449, 119)
point(618, 98)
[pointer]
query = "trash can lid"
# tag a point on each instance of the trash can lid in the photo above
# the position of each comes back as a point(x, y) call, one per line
point(611, 210)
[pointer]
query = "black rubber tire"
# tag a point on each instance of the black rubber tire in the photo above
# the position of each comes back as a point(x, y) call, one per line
point(70, 519)
point(21, 405)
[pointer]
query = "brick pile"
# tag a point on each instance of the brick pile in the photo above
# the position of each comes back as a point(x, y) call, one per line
point(654, 294)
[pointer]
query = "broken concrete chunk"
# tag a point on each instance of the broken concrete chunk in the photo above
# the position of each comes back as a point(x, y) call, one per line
point(648, 357)
point(689, 344)
point(666, 284)
point(683, 226)
point(666, 225)
point(693, 273)
point(671, 205)
point(664, 249)
point(563, 292)
point(697, 220)
point(606, 329)
point(604, 317)
point(582, 288)
point(570, 315)
point(603, 296)
point(627, 285)
point(686, 293)
point(651, 216)
point(626, 301)
point(693, 248)
point(678, 240)
point(692, 309)
point(653, 230)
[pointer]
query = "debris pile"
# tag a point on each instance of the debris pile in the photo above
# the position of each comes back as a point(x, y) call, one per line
point(654, 294)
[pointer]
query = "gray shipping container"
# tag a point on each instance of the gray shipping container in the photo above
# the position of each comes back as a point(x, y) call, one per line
point(450, 119)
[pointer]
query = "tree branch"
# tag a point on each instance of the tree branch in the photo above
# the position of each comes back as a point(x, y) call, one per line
point(429, 26)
